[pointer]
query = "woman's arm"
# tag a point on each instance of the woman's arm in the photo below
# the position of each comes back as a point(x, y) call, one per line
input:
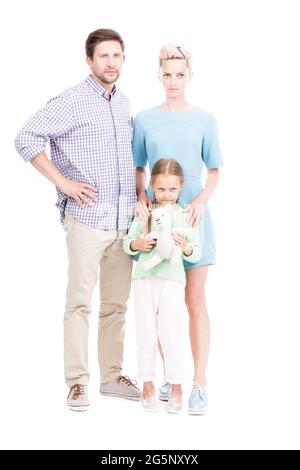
point(197, 207)
point(144, 204)
point(210, 185)
point(141, 181)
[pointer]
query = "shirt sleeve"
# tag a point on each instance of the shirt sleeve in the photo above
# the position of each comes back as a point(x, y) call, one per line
point(139, 147)
point(194, 240)
point(211, 154)
point(136, 230)
point(54, 120)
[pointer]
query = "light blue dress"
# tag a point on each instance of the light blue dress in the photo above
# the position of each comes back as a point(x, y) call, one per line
point(191, 138)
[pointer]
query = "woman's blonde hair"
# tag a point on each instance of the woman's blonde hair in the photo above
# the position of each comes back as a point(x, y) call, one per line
point(175, 52)
point(166, 167)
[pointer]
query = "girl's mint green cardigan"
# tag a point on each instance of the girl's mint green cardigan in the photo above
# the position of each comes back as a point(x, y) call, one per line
point(164, 269)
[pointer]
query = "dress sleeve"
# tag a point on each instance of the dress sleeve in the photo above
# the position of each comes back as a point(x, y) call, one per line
point(211, 154)
point(139, 148)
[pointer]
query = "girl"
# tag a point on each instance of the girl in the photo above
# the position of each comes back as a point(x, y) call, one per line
point(159, 291)
point(189, 134)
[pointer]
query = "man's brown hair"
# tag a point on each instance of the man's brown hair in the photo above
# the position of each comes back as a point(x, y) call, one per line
point(101, 35)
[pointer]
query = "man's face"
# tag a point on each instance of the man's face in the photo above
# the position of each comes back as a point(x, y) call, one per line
point(107, 62)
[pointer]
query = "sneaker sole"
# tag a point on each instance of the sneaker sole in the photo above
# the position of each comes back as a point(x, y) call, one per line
point(197, 412)
point(118, 395)
point(174, 412)
point(78, 408)
point(164, 397)
point(156, 410)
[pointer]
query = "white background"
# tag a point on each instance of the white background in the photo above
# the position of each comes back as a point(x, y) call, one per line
point(246, 72)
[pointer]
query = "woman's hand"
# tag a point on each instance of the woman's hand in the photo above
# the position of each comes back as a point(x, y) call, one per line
point(80, 192)
point(142, 244)
point(182, 242)
point(196, 212)
point(143, 206)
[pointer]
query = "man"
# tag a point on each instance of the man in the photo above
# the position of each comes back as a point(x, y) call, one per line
point(89, 129)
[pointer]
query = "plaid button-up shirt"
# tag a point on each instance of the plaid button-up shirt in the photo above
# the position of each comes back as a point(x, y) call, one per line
point(90, 136)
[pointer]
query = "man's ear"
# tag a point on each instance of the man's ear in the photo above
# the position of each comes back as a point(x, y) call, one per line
point(89, 62)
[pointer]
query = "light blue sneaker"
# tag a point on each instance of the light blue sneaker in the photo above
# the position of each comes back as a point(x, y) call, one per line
point(198, 401)
point(164, 391)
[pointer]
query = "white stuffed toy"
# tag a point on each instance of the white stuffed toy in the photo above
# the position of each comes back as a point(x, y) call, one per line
point(165, 244)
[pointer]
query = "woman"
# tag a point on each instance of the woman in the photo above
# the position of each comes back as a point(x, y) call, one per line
point(177, 129)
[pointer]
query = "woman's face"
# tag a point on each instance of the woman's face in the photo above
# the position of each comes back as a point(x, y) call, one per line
point(174, 75)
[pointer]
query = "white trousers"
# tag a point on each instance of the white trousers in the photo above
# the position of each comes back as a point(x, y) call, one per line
point(159, 312)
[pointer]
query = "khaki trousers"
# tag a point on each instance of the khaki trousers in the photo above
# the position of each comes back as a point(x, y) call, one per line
point(92, 251)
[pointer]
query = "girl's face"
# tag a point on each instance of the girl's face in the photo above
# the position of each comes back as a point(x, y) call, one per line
point(174, 75)
point(166, 189)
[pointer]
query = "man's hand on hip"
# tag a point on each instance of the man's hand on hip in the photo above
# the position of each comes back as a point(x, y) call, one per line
point(80, 192)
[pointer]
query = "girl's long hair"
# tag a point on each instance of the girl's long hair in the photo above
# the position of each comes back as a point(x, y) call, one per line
point(166, 167)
